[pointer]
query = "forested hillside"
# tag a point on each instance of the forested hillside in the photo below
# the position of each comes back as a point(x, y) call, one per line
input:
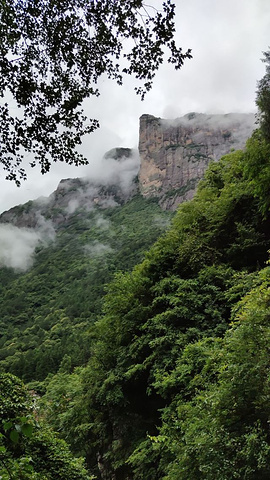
point(177, 383)
point(46, 311)
point(170, 380)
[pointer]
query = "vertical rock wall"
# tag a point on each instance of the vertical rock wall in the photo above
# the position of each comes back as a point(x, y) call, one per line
point(175, 153)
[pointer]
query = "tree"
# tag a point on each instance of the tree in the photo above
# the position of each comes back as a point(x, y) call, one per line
point(263, 99)
point(52, 54)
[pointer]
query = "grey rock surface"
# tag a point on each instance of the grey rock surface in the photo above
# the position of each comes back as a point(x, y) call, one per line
point(175, 153)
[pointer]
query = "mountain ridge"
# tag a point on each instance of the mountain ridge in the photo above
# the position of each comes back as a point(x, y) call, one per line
point(174, 155)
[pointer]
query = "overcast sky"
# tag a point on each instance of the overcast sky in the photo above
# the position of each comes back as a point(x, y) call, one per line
point(227, 38)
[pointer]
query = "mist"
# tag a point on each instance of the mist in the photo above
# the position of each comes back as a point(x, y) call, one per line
point(105, 172)
point(97, 249)
point(17, 247)
point(18, 244)
point(111, 171)
point(240, 125)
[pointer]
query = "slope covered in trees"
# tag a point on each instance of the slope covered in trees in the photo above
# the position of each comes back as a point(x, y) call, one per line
point(29, 451)
point(177, 385)
point(47, 310)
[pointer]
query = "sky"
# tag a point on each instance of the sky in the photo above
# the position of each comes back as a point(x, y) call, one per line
point(227, 38)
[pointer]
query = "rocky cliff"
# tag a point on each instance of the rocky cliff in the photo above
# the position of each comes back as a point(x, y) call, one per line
point(175, 153)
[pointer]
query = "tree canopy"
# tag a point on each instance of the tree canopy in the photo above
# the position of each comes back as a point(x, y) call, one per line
point(52, 54)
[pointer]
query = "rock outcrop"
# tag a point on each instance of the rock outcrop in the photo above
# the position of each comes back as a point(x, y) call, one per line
point(75, 195)
point(175, 153)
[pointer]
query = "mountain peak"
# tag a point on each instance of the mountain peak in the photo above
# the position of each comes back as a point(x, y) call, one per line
point(119, 153)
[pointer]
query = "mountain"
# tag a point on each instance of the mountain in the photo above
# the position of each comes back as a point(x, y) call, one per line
point(146, 330)
point(58, 253)
point(114, 184)
point(173, 156)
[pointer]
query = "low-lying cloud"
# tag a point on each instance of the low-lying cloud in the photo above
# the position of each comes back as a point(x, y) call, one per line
point(121, 172)
point(213, 121)
point(17, 246)
point(97, 249)
point(102, 223)
point(85, 193)
point(45, 229)
point(240, 125)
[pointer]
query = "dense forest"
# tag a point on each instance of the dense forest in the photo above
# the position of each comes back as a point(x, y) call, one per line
point(168, 376)
point(46, 310)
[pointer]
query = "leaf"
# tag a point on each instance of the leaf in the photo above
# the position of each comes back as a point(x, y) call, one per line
point(14, 436)
point(23, 419)
point(27, 429)
point(7, 425)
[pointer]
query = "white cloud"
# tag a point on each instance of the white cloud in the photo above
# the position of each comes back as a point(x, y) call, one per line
point(105, 172)
point(102, 223)
point(97, 249)
point(73, 204)
point(108, 171)
point(45, 229)
point(17, 246)
point(161, 221)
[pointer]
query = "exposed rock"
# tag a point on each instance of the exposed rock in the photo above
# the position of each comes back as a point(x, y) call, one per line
point(71, 196)
point(119, 153)
point(175, 153)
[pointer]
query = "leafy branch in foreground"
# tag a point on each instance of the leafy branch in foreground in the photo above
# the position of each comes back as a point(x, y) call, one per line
point(52, 54)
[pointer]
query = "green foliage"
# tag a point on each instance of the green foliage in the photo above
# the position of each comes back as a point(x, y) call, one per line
point(29, 451)
point(176, 383)
point(221, 430)
point(257, 168)
point(150, 394)
point(46, 312)
point(61, 407)
point(263, 99)
point(52, 54)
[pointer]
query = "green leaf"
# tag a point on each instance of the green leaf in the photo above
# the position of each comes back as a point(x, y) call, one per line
point(27, 429)
point(14, 436)
point(7, 425)
point(23, 419)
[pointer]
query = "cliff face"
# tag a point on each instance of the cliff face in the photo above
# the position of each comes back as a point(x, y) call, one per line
point(175, 154)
